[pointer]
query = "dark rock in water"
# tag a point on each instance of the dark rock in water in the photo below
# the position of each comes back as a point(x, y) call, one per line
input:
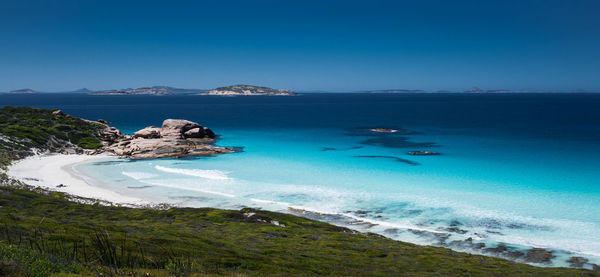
point(387, 131)
point(577, 261)
point(455, 223)
point(103, 121)
point(340, 149)
point(496, 250)
point(439, 237)
point(391, 231)
point(467, 243)
point(514, 254)
point(383, 130)
point(504, 251)
point(423, 153)
point(539, 255)
point(454, 230)
point(390, 157)
point(396, 142)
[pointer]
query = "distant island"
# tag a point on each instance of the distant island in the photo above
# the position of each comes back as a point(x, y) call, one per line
point(246, 90)
point(478, 90)
point(23, 91)
point(137, 91)
point(392, 91)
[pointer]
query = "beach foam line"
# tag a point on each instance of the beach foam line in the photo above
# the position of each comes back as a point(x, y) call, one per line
point(202, 173)
point(168, 184)
point(139, 175)
point(270, 202)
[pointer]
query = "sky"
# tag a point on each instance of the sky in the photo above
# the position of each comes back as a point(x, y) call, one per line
point(52, 45)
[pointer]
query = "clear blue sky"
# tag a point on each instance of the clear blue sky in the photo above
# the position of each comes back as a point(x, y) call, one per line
point(302, 45)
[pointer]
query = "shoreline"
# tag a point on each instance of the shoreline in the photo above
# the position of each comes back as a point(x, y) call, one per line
point(56, 172)
point(50, 171)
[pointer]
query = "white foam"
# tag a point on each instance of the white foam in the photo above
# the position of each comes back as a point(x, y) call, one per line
point(170, 184)
point(139, 175)
point(202, 173)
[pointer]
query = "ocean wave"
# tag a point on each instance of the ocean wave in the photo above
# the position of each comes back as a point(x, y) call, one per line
point(139, 175)
point(202, 173)
point(170, 183)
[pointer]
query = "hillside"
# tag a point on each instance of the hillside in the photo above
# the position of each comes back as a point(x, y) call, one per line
point(23, 130)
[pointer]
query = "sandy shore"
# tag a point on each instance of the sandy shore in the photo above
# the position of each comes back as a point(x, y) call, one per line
point(56, 172)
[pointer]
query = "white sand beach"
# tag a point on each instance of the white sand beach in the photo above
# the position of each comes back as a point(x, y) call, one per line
point(56, 172)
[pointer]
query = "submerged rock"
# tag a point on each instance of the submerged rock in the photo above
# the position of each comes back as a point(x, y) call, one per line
point(423, 153)
point(384, 130)
point(577, 261)
point(539, 255)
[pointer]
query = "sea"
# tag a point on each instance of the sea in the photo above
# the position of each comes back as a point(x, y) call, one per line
point(515, 172)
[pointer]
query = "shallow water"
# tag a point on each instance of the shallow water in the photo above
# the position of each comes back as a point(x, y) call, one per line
point(514, 169)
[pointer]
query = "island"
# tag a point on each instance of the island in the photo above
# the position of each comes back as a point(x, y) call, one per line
point(45, 231)
point(137, 91)
point(247, 90)
point(23, 91)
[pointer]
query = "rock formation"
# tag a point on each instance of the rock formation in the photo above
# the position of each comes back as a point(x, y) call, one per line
point(176, 138)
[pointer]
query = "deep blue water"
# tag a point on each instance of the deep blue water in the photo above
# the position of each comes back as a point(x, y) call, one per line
point(515, 169)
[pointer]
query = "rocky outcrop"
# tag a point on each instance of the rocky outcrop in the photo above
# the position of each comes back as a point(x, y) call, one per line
point(176, 138)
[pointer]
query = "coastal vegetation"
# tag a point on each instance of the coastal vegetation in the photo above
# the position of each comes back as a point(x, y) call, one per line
point(46, 233)
point(23, 129)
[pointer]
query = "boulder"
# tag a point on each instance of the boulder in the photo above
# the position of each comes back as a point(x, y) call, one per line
point(194, 133)
point(177, 127)
point(150, 132)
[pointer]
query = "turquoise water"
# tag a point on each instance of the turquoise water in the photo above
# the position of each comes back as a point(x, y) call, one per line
point(517, 170)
